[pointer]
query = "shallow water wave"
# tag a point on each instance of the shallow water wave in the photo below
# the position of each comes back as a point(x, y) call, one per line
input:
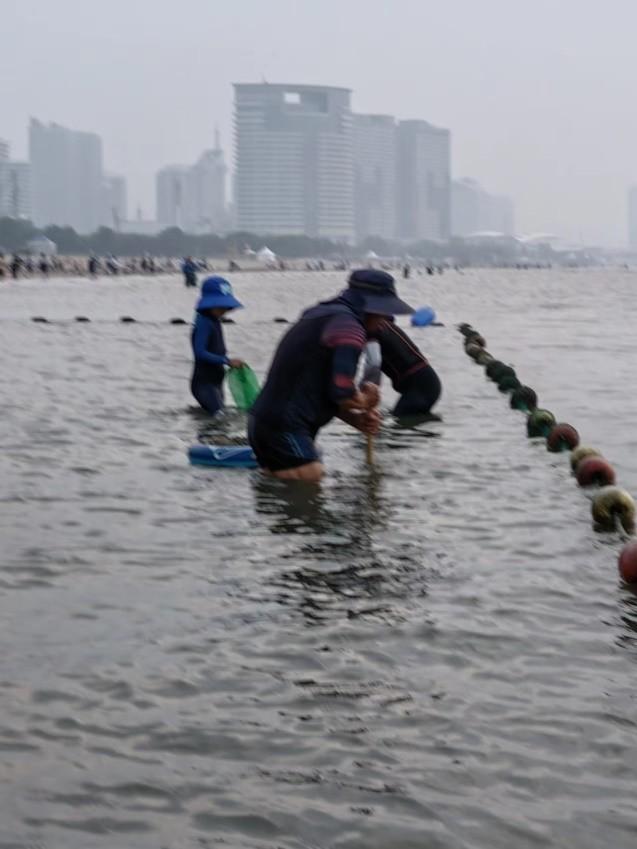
point(435, 652)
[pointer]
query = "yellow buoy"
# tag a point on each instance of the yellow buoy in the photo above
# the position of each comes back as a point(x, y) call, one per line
point(579, 453)
point(613, 504)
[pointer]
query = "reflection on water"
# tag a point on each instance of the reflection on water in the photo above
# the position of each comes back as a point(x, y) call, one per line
point(338, 569)
point(628, 617)
point(432, 652)
point(293, 507)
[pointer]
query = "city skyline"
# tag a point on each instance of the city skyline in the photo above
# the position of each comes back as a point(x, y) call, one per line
point(305, 164)
point(536, 97)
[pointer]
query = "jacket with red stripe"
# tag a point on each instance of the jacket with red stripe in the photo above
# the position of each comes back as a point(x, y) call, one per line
point(314, 368)
point(401, 357)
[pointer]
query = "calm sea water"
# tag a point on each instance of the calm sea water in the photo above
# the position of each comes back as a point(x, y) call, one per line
point(437, 653)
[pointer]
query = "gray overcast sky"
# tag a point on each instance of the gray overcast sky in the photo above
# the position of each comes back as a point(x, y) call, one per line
point(539, 94)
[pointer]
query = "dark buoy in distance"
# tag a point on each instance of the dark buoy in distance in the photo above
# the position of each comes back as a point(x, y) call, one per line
point(177, 321)
point(40, 319)
point(508, 383)
point(505, 371)
point(540, 422)
point(82, 318)
point(524, 398)
point(628, 562)
point(563, 437)
point(472, 350)
point(475, 338)
point(611, 505)
point(581, 453)
point(226, 320)
point(595, 471)
point(484, 357)
point(494, 368)
point(280, 320)
point(127, 319)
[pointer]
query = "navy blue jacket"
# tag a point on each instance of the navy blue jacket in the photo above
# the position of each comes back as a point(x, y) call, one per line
point(314, 368)
point(209, 349)
point(401, 356)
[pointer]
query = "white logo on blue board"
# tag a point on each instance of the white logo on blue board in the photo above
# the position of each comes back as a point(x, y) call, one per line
point(225, 288)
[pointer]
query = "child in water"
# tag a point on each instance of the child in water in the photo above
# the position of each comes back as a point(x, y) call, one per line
point(208, 345)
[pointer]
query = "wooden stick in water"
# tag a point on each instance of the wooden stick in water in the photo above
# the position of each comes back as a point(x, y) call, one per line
point(369, 450)
point(372, 374)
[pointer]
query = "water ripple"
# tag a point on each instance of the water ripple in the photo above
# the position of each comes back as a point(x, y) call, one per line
point(436, 652)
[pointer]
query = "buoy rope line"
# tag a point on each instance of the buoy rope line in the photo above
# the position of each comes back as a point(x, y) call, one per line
point(127, 319)
point(611, 506)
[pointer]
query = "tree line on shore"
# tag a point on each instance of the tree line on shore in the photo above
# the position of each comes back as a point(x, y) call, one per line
point(15, 235)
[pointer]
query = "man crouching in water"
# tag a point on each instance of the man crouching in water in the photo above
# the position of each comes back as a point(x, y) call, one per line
point(411, 374)
point(312, 377)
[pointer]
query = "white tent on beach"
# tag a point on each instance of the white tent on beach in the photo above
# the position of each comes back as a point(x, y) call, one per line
point(266, 257)
point(42, 245)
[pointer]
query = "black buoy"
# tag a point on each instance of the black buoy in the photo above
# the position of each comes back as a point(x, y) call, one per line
point(505, 371)
point(524, 398)
point(494, 368)
point(484, 357)
point(177, 321)
point(508, 383)
point(127, 319)
point(279, 320)
point(82, 318)
point(225, 320)
point(40, 319)
point(475, 338)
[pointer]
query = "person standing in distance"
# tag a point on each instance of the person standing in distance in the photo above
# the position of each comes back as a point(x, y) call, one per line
point(189, 270)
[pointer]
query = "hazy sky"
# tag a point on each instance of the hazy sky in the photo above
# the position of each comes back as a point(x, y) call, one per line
point(539, 94)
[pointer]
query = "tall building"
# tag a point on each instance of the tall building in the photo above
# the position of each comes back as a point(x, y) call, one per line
point(114, 201)
point(172, 189)
point(375, 176)
point(475, 210)
point(4, 162)
point(193, 198)
point(423, 182)
point(294, 160)
point(67, 177)
point(632, 217)
point(18, 191)
point(208, 191)
point(15, 186)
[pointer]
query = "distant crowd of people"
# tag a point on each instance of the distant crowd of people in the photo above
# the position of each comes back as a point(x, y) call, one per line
point(17, 266)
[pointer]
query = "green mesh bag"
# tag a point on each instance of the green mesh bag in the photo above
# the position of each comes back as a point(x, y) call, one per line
point(244, 386)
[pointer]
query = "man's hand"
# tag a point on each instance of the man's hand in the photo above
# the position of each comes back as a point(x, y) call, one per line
point(367, 421)
point(371, 396)
point(366, 398)
point(236, 363)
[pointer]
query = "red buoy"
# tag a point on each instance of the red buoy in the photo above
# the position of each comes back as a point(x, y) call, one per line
point(595, 471)
point(563, 437)
point(628, 562)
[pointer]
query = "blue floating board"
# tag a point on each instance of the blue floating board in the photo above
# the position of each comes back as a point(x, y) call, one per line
point(223, 456)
